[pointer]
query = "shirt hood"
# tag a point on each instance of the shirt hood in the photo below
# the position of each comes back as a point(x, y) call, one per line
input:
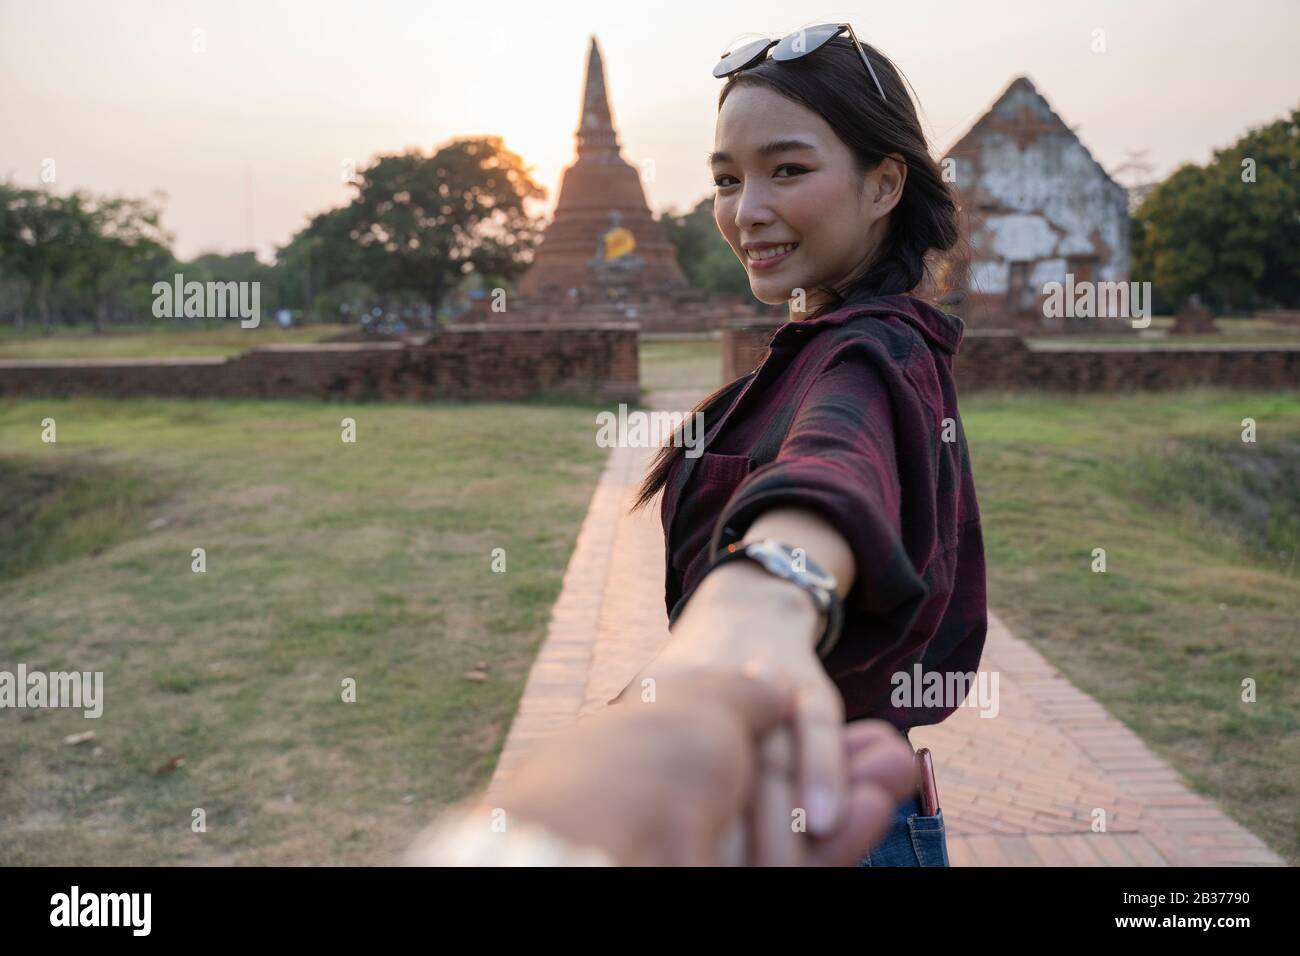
point(940, 329)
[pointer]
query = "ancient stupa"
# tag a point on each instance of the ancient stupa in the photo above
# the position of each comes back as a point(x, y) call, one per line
point(602, 242)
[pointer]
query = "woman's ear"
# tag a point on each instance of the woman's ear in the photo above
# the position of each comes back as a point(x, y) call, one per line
point(890, 176)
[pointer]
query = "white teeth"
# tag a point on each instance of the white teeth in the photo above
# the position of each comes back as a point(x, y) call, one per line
point(772, 251)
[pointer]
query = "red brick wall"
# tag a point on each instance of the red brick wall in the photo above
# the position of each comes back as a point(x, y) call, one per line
point(1003, 360)
point(743, 346)
point(599, 361)
point(1280, 316)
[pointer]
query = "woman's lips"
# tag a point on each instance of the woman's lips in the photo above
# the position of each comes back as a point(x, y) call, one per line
point(773, 262)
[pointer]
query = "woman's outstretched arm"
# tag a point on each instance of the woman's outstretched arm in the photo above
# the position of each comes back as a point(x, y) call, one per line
point(741, 616)
point(834, 489)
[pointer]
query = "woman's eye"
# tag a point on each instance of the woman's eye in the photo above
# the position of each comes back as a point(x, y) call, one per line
point(798, 170)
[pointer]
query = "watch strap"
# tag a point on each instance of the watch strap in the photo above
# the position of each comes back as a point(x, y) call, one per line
point(827, 600)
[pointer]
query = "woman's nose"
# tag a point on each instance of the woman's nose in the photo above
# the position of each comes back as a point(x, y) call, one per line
point(754, 208)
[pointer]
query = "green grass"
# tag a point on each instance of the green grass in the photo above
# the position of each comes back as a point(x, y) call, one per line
point(324, 561)
point(691, 364)
point(192, 338)
point(370, 561)
point(1202, 586)
point(62, 509)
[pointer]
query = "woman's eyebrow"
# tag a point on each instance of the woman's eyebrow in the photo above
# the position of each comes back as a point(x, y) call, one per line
point(767, 149)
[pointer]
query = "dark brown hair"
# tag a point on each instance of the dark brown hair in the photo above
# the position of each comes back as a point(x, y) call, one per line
point(833, 83)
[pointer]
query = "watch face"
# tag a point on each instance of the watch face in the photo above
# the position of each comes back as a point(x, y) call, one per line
point(773, 558)
point(790, 563)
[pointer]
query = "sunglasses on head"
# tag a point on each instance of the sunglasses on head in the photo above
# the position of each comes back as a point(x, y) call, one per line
point(791, 47)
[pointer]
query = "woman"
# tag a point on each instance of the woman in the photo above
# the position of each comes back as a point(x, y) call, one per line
point(831, 527)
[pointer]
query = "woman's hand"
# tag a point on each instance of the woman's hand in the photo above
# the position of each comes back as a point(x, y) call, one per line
point(745, 620)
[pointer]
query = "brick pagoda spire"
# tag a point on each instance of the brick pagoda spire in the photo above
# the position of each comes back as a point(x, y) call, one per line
point(599, 182)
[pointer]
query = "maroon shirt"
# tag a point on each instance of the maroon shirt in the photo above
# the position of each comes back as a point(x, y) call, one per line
point(846, 416)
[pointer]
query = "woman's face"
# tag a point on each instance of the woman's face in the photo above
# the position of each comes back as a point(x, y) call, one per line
point(811, 196)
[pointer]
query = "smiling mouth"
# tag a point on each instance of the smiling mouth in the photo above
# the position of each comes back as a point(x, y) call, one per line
point(767, 258)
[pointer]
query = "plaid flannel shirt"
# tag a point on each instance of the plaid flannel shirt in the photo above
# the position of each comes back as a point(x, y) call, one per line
point(853, 415)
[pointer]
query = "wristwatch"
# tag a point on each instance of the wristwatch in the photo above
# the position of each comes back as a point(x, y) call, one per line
point(792, 565)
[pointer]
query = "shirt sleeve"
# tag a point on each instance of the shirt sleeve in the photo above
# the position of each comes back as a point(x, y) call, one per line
point(840, 458)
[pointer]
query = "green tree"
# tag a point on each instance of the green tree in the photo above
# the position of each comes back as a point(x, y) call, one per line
point(40, 234)
point(420, 223)
point(1228, 231)
point(705, 257)
point(118, 236)
point(299, 271)
point(80, 252)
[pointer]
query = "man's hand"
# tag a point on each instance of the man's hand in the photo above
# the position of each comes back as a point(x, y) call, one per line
point(676, 781)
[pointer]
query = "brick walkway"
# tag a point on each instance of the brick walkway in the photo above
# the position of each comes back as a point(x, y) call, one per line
point(1016, 790)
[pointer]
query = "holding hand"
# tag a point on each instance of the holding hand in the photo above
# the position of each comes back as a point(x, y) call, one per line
point(741, 619)
point(677, 781)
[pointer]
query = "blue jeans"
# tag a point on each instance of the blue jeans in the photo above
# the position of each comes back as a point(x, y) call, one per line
point(912, 840)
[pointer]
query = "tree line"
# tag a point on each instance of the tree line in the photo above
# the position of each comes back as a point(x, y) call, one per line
point(1229, 231)
point(417, 230)
point(421, 228)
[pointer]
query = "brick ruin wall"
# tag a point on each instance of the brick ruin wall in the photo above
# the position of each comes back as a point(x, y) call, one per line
point(660, 311)
point(601, 362)
point(473, 362)
point(991, 360)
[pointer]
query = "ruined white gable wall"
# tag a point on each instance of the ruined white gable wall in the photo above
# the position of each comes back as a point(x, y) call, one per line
point(1058, 197)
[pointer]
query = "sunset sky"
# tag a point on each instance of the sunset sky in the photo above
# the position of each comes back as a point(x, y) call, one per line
point(249, 136)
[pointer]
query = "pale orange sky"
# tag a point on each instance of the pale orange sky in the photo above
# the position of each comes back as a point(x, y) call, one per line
point(248, 137)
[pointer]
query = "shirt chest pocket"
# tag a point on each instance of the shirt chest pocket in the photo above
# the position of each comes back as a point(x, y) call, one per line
point(721, 470)
point(712, 483)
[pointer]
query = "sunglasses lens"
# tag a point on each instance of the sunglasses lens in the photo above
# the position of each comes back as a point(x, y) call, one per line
point(804, 41)
point(741, 57)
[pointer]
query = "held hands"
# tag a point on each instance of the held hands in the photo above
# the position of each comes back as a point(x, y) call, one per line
point(806, 766)
point(730, 746)
point(693, 776)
